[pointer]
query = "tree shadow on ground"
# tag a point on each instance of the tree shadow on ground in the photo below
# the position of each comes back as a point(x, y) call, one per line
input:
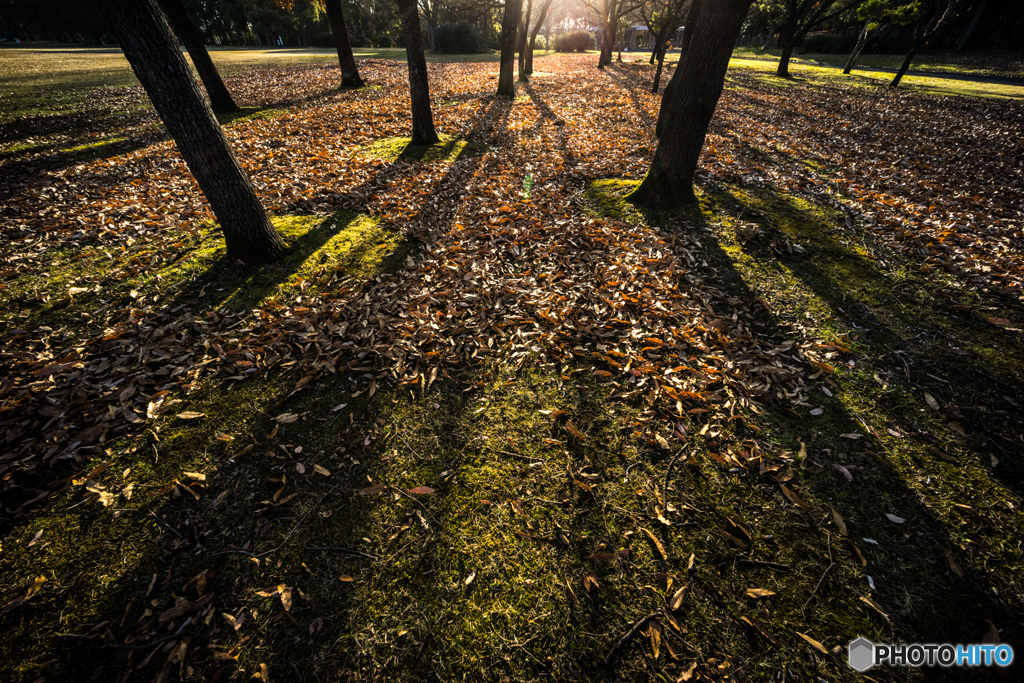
point(907, 562)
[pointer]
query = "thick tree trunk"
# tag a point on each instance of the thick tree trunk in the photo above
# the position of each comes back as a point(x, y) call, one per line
point(768, 41)
point(153, 53)
point(346, 60)
point(787, 41)
point(524, 37)
point(509, 30)
point(675, 85)
point(861, 39)
point(669, 181)
point(533, 36)
point(423, 132)
point(192, 39)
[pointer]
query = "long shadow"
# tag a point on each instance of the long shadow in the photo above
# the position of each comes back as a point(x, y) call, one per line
point(547, 114)
point(625, 81)
point(907, 560)
point(259, 528)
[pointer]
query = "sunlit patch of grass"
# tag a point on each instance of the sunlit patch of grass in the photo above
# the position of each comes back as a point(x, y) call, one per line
point(805, 74)
point(449, 148)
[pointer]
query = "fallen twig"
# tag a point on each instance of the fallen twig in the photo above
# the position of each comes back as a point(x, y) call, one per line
point(350, 551)
point(768, 565)
point(624, 640)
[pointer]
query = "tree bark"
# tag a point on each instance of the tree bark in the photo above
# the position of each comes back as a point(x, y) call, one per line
point(346, 60)
point(533, 36)
point(524, 37)
point(861, 39)
point(509, 32)
point(675, 84)
point(192, 39)
point(787, 41)
point(669, 181)
point(153, 53)
point(908, 59)
point(423, 132)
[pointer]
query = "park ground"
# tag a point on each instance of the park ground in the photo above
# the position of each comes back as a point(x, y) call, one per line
point(487, 420)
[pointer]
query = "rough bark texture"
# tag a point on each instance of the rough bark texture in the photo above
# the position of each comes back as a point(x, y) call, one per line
point(675, 85)
point(524, 37)
point(787, 41)
point(669, 181)
point(509, 30)
point(346, 60)
point(533, 36)
point(153, 53)
point(423, 132)
point(192, 39)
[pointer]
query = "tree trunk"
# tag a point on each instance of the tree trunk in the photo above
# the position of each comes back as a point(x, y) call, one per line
point(906, 62)
point(192, 39)
point(423, 132)
point(533, 36)
point(509, 29)
point(787, 41)
point(153, 53)
point(768, 41)
point(657, 74)
point(861, 39)
point(346, 60)
point(675, 85)
point(524, 37)
point(973, 26)
point(669, 181)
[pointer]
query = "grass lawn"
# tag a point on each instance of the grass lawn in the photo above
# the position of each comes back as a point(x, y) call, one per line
point(486, 420)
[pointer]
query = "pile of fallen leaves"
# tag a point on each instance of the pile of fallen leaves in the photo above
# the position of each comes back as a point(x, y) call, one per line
point(496, 271)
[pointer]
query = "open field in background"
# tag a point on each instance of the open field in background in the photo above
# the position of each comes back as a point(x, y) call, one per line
point(1005, 64)
point(460, 432)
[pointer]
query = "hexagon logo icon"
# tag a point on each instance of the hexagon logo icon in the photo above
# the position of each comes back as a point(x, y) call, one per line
point(861, 654)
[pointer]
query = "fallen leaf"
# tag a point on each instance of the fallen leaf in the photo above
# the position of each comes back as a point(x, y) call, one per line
point(930, 400)
point(953, 563)
point(659, 549)
point(894, 519)
point(851, 435)
point(575, 432)
point(190, 415)
point(758, 593)
point(286, 418)
point(793, 498)
point(817, 411)
point(321, 470)
point(470, 578)
point(590, 583)
point(840, 522)
point(372, 490)
point(654, 633)
point(813, 643)
point(677, 599)
point(300, 468)
point(421, 490)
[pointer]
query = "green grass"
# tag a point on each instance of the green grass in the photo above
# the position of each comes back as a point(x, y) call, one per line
point(995, 64)
point(826, 76)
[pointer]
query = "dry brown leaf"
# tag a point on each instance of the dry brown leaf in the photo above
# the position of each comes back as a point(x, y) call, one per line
point(372, 490)
point(321, 470)
point(793, 498)
point(758, 592)
point(659, 549)
point(190, 415)
point(839, 522)
point(813, 643)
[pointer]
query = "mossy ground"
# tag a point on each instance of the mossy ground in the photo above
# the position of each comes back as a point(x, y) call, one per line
point(449, 148)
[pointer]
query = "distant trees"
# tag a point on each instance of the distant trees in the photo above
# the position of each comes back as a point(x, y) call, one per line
point(610, 13)
point(796, 18)
point(153, 53)
point(877, 15)
point(423, 132)
point(662, 18)
point(942, 13)
point(669, 181)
